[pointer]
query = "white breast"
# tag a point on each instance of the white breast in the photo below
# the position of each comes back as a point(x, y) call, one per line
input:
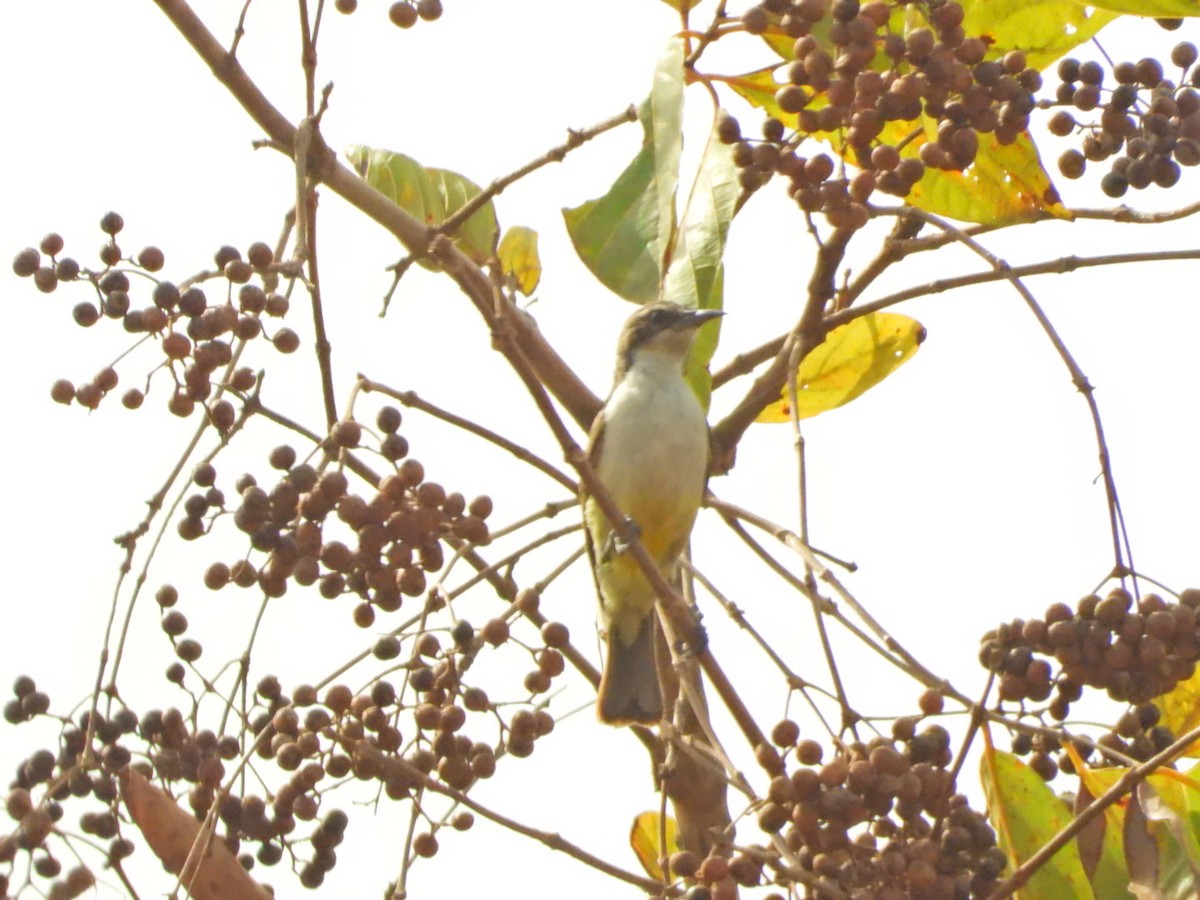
point(655, 451)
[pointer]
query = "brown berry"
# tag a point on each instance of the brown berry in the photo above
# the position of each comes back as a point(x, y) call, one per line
point(429, 10)
point(403, 14)
point(112, 223)
point(26, 262)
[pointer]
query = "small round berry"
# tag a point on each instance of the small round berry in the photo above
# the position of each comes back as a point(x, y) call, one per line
point(67, 269)
point(388, 420)
point(238, 271)
point(52, 244)
point(260, 255)
point(425, 845)
point(88, 395)
point(728, 129)
point(225, 255)
point(1072, 164)
point(192, 302)
point(282, 457)
point(181, 404)
point(26, 262)
point(346, 433)
point(112, 223)
point(785, 733)
point(932, 702)
point(345, 7)
point(495, 632)
point(110, 254)
point(85, 314)
point(429, 10)
point(151, 259)
point(62, 391)
point(286, 340)
point(1114, 184)
point(45, 279)
point(403, 14)
point(394, 447)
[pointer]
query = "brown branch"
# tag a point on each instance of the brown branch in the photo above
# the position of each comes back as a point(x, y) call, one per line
point(808, 332)
point(1127, 215)
point(1060, 266)
point(549, 839)
point(744, 363)
point(323, 166)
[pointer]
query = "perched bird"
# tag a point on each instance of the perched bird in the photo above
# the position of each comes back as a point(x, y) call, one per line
point(649, 447)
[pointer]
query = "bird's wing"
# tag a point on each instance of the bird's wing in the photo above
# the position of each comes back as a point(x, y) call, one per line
point(595, 440)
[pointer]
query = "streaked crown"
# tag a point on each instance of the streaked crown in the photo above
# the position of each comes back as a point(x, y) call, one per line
point(662, 327)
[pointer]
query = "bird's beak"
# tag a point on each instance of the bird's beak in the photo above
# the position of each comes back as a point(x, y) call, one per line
point(700, 316)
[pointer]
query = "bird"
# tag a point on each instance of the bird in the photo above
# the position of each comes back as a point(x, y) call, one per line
point(649, 447)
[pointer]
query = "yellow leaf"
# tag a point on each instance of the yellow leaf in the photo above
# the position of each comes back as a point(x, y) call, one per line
point(1005, 184)
point(1180, 709)
point(852, 359)
point(645, 837)
point(1043, 30)
point(519, 258)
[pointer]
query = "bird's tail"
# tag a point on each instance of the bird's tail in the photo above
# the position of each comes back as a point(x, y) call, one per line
point(629, 690)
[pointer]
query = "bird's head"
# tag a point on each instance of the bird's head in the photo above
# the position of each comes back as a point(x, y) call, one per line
point(661, 328)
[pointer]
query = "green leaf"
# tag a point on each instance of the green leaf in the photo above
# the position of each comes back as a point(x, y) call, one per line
point(518, 253)
point(402, 180)
point(475, 237)
point(623, 236)
point(851, 360)
point(695, 274)
point(430, 196)
point(1026, 815)
point(1043, 29)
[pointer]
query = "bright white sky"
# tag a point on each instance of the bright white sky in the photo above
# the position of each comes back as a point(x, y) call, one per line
point(965, 488)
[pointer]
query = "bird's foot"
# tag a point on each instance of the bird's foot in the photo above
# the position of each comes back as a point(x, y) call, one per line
point(621, 539)
point(696, 643)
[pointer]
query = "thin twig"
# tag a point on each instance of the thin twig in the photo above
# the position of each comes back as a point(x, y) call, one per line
point(323, 165)
point(410, 399)
point(575, 139)
point(1060, 266)
point(1122, 552)
point(747, 362)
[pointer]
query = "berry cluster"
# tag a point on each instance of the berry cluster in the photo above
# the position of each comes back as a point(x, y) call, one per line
point(60, 777)
point(878, 819)
point(1135, 654)
point(1155, 122)
point(398, 531)
point(196, 336)
point(393, 735)
point(403, 13)
point(859, 85)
